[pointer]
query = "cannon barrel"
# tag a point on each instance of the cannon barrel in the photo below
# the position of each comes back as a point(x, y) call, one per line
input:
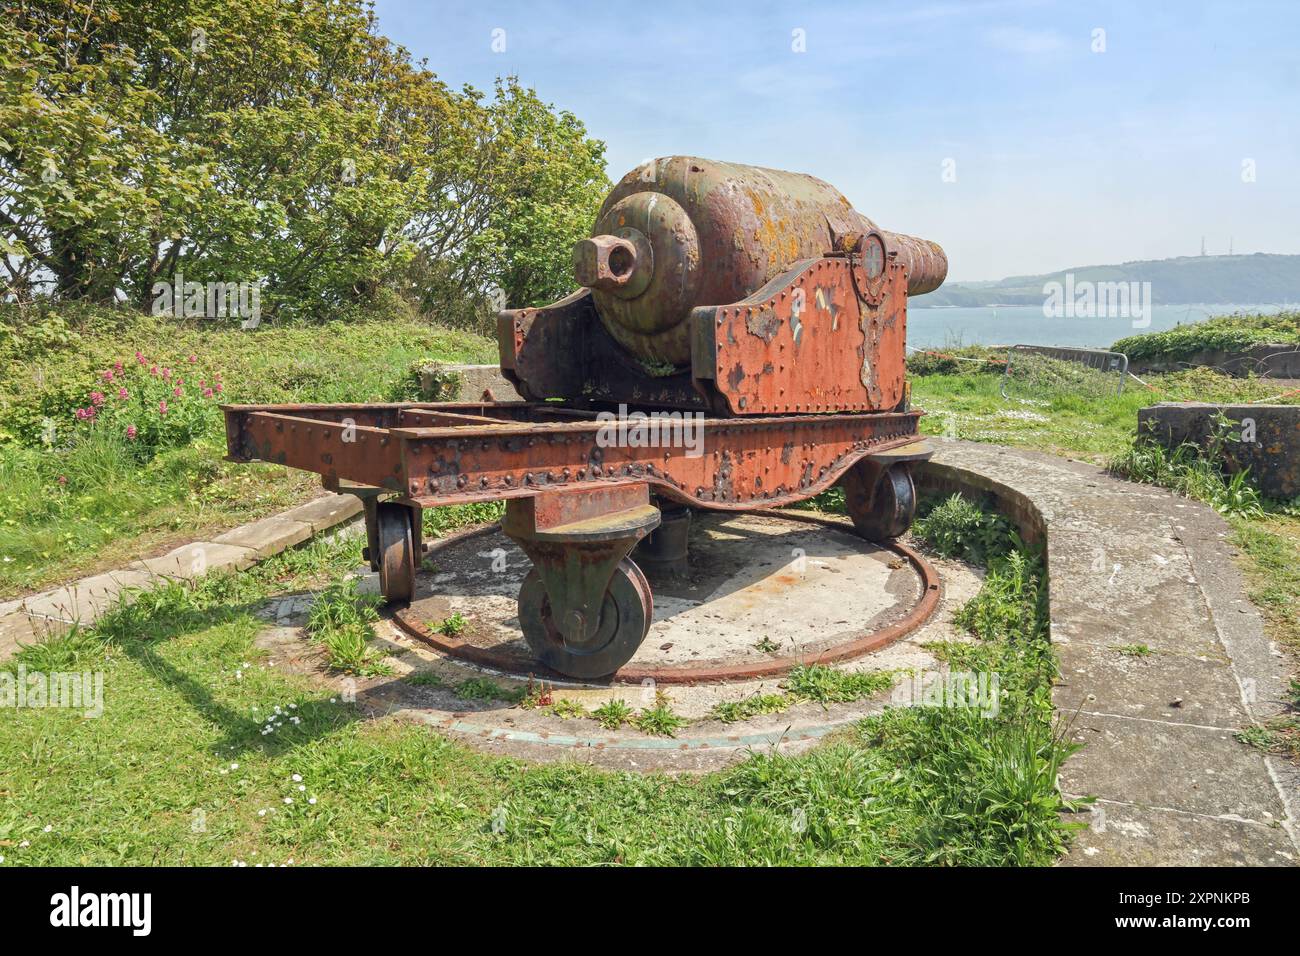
point(680, 232)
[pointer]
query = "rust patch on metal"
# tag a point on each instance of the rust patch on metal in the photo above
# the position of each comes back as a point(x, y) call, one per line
point(765, 324)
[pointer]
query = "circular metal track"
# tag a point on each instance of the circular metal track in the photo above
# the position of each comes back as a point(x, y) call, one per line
point(707, 673)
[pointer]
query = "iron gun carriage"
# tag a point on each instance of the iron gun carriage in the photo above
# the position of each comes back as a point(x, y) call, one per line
point(751, 314)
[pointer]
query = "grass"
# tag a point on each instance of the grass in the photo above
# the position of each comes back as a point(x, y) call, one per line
point(612, 714)
point(754, 705)
point(1281, 735)
point(84, 502)
point(144, 783)
point(343, 621)
point(1134, 650)
point(659, 720)
point(1193, 472)
point(483, 688)
point(1085, 420)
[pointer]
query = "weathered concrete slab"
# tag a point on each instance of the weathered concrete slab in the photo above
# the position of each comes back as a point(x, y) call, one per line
point(1121, 835)
point(87, 599)
point(1136, 565)
point(1100, 678)
point(16, 631)
point(1265, 438)
point(196, 559)
point(466, 383)
point(1165, 765)
point(325, 512)
point(753, 579)
point(268, 536)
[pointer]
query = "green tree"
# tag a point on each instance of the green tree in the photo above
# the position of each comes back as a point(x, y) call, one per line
point(282, 141)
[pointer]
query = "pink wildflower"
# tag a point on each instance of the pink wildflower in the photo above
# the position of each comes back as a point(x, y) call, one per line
point(130, 432)
point(207, 393)
point(193, 359)
point(176, 392)
point(97, 398)
point(121, 393)
point(162, 407)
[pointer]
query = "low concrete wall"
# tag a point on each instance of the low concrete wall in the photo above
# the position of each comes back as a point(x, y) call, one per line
point(1270, 445)
point(1276, 361)
point(466, 383)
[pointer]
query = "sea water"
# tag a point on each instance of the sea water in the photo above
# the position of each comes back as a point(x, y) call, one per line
point(1026, 325)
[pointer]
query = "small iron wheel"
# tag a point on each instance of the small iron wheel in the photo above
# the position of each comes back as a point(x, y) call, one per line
point(886, 511)
point(396, 552)
point(625, 617)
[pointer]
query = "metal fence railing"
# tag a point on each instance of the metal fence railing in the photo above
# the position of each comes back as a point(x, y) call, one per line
point(1099, 360)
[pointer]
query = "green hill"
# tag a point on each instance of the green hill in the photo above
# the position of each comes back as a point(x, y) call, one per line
point(1257, 279)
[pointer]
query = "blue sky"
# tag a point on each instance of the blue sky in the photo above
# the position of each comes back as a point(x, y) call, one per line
point(1062, 156)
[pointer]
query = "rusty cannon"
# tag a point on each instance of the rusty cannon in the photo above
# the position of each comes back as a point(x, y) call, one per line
point(736, 343)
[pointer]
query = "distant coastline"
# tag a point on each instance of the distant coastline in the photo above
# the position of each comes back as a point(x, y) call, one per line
point(1187, 280)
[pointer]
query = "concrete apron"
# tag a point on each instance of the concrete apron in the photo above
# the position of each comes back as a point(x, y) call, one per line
point(1135, 564)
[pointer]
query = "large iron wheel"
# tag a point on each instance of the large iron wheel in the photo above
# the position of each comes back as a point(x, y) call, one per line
point(884, 511)
point(396, 551)
point(625, 617)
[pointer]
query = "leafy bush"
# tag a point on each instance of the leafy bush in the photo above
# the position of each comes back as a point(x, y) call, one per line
point(336, 171)
point(1224, 333)
point(1010, 601)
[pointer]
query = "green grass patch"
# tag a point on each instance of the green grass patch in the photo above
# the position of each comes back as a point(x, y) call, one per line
point(659, 720)
point(484, 688)
point(343, 621)
point(754, 705)
point(612, 714)
point(79, 496)
point(826, 685)
point(1133, 650)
